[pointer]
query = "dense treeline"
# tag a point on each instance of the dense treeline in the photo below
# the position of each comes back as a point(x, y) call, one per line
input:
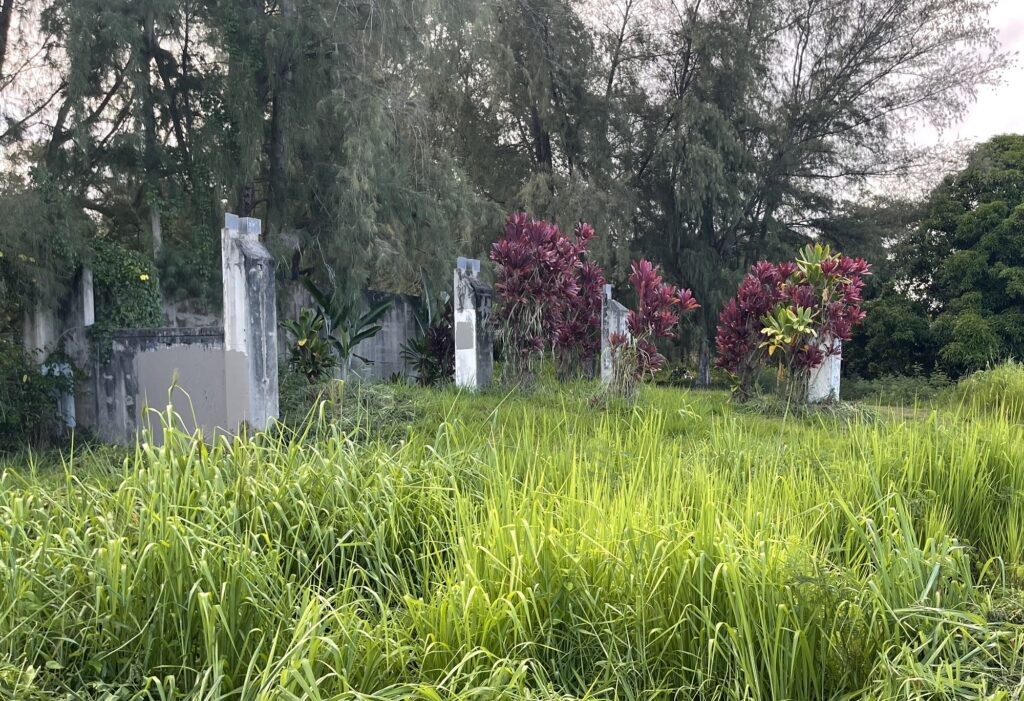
point(379, 138)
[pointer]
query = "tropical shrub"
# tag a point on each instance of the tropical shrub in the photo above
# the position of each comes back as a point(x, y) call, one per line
point(28, 398)
point(548, 295)
point(432, 354)
point(346, 325)
point(659, 306)
point(309, 353)
point(795, 313)
point(576, 329)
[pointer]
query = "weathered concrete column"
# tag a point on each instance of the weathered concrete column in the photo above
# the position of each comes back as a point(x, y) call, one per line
point(250, 324)
point(823, 382)
point(62, 326)
point(85, 290)
point(613, 320)
point(40, 330)
point(474, 344)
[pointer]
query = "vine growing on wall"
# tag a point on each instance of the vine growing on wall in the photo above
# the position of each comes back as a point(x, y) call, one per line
point(127, 293)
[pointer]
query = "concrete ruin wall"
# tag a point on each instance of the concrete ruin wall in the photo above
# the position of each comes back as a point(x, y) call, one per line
point(65, 326)
point(384, 351)
point(216, 379)
point(150, 368)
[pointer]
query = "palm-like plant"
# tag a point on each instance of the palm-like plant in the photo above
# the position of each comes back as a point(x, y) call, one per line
point(431, 354)
point(346, 325)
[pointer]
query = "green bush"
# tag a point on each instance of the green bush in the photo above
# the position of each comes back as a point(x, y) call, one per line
point(28, 399)
point(896, 390)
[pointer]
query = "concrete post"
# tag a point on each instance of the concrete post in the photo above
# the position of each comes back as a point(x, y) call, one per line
point(40, 330)
point(474, 344)
point(250, 324)
point(613, 320)
point(88, 298)
point(823, 382)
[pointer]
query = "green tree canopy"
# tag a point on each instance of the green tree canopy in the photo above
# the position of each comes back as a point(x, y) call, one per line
point(963, 264)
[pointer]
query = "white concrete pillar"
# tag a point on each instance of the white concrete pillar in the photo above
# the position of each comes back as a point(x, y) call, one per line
point(88, 298)
point(613, 320)
point(250, 324)
point(474, 345)
point(823, 382)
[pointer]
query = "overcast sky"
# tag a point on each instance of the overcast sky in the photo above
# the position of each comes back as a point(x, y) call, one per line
point(1000, 109)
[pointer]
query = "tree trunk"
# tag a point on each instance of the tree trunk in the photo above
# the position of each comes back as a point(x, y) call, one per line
point(6, 12)
point(151, 154)
point(279, 118)
point(704, 364)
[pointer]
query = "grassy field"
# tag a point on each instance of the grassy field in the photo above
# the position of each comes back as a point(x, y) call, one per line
point(532, 547)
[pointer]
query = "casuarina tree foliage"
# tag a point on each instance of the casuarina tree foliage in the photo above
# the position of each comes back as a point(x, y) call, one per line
point(380, 138)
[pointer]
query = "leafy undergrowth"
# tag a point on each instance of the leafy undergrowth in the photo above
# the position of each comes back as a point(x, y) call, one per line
point(528, 547)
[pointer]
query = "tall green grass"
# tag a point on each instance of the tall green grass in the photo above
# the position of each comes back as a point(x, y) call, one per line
point(999, 390)
point(528, 548)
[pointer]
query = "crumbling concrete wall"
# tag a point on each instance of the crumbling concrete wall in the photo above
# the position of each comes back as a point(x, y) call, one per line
point(383, 352)
point(147, 369)
point(64, 327)
point(215, 379)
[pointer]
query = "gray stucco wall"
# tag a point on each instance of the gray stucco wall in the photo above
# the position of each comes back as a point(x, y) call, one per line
point(139, 375)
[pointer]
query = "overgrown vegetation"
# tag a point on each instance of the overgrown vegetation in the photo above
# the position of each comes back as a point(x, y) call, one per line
point(28, 398)
point(953, 299)
point(531, 549)
point(634, 354)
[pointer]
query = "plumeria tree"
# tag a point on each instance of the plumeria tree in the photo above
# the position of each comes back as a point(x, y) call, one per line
point(794, 314)
point(549, 295)
point(659, 306)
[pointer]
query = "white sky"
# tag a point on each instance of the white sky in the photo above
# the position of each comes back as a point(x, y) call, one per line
point(998, 109)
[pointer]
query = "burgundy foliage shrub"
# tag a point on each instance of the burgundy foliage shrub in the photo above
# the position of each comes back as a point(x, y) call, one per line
point(659, 306)
point(549, 295)
point(825, 285)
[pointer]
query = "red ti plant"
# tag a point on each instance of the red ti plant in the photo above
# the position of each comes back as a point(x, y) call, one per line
point(800, 310)
point(548, 294)
point(659, 306)
point(576, 327)
point(740, 323)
